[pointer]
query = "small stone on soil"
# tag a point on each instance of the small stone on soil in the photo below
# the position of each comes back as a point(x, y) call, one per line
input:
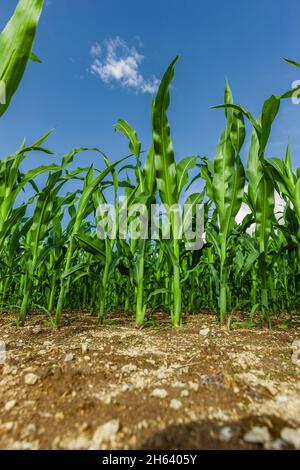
point(225, 434)
point(175, 404)
point(204, 331)
point(291, 436)
point(31, 379)
point(9, 405)
point(258, 435)
point(296, 345)
point(159, 393)
point(105, 433)
point(69, 357)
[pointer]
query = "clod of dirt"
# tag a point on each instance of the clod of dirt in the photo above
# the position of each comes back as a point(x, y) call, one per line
point(31, 379)
point(291, 436)
point(258, 435)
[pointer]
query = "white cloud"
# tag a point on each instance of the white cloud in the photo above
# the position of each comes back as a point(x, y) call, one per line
point(115, 62)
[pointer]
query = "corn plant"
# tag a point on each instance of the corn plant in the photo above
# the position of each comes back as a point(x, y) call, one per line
point(16, 42)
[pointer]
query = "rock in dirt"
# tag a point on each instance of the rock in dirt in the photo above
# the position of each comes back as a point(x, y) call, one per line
point(129, 369)
point(105, 433)
point(225, 434)
point(204, 331)
point(31, 379)
point(278, 444)
point(296, 358)
point(291, 436)
point(175, 404)
point(159, 393)
point(72, 443)
point(84, 348)
point(296, 345)
point(9, 405)
point(258, 435)
point(69, 357)
point(7, 427)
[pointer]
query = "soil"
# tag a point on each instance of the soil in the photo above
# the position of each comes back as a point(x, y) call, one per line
point(110, 386)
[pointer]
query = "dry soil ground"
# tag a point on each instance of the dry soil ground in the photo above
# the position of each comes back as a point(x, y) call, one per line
point(91, 386)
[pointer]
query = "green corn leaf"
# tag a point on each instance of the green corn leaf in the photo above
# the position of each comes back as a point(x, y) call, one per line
point(165, 163)
point(16, 42)
point(223, 170)
point(297, 195)
point(233, 198)
point(288, 165)
point(149, 170)
point(264, 210)
point(292, 62)
point(269, 113)
point(92, 245)
point(35, 58)
point(125, 129)
point(183, 168)
point(253, 170)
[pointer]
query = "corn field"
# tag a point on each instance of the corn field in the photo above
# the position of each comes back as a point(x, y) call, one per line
point(53, 259)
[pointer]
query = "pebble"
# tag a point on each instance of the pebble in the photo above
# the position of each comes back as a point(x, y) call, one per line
point(225, 434)
point(296, 358)
point(129, 368)
point(9, 405)
point(72, 443)
point(159, 393)
point(291, 436)
point(194, 386)
point(278, 444)
point(84, 348)
point(258, 435)
point(31, 379)
point(7, 427)
point(7, 370)
point(204, 331)
point(105, 433)
point(296, 345)
point(175, 404)
point(69, 357)
point(59, 416)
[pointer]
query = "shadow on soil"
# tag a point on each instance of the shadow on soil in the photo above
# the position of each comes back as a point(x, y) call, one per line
point(207, 435)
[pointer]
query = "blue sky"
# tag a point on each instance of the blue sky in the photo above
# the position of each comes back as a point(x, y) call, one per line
point(81, 89)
